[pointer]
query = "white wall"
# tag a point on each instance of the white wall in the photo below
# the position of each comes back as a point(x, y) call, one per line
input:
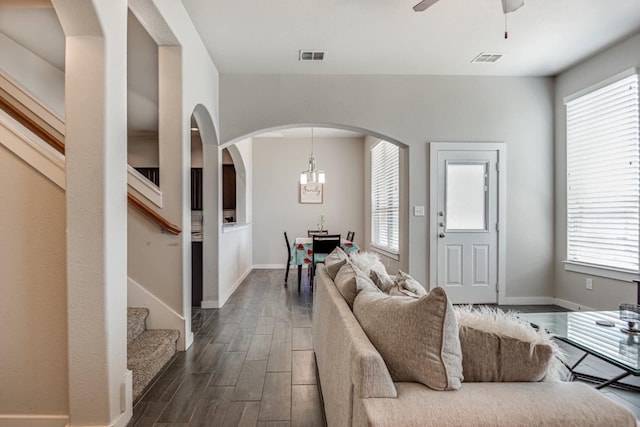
point(415, 110)
point(142, 81)
point(142, 150)
point(276, 192)
point(236, 241)
point(38, 77)
point(33, 307)
point(570, 286)
point(235, 261)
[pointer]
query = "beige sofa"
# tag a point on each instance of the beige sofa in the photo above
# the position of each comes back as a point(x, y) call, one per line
point(357, 389)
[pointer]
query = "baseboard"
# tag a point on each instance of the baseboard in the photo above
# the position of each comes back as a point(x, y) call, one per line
point(126, 401)
point(571, 305)
point(219, 303)
point(27, 420)
point(161, 316)
point(269, 267)
point(526, 301)
point(211, 303)
point(237, 283)
point(188, 341)
point(275, 266)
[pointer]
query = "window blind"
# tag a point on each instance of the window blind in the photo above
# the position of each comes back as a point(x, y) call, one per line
point(603, 176)
point(385, 198)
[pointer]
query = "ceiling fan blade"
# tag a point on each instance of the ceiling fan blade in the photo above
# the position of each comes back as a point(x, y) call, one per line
point(424, 4)
point(509, 6)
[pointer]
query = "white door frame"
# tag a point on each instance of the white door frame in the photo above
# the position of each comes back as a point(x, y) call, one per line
point(501, 149)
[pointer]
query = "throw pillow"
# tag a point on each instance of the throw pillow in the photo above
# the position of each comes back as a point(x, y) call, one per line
point(364, 260)
point(499, 347)
point(405, 282)
point(346, 283)
point(369, 263)
point(397, 291)
point(382, 279)
point(417, 338)
point(334, 261)
point(365, 284)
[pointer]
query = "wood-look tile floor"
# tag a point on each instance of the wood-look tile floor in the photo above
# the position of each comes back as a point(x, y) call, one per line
point(252, 363)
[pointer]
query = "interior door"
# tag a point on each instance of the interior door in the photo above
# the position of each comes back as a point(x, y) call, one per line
point(467, 225)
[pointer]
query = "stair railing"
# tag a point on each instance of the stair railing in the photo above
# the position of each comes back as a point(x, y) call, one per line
point(8, 104)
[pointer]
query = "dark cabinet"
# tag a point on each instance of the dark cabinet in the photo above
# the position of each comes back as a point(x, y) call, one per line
point(228, 187)
point(196, 274)
point(196, 189)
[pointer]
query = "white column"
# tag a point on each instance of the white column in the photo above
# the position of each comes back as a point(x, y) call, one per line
point(175, 170)
point(96, 194)
point(211, 205)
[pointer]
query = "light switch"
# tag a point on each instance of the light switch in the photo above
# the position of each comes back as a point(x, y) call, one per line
point(418, 211)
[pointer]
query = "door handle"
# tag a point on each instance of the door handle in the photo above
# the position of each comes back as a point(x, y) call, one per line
point(441, 235)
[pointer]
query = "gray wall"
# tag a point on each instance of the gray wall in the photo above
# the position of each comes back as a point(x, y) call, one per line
point(570, 286)
point(277, 163)
point(415, 110)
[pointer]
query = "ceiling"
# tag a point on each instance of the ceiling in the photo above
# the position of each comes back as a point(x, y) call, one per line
point(376, 36)
point(388, 37)
point(372, 37)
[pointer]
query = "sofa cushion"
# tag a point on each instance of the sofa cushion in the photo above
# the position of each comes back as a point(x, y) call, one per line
point(499, 347)
point(417, 338)
point(552, 404)
point(408, 285)
point(334, 261)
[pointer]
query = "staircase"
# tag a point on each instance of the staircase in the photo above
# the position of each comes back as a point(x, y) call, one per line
point(148, 350)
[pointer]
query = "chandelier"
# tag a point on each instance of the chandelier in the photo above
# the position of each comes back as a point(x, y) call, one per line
point(312, 175)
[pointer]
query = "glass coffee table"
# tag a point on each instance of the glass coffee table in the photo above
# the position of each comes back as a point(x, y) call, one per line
point(608, 343)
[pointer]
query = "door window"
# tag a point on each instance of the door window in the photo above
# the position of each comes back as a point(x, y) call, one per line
point(466, 197)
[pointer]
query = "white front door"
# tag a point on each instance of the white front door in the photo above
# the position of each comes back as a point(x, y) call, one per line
point(466, 221)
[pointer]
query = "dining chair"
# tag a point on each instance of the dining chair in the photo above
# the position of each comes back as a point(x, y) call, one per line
point(322, 244)
point(286, 275)
point(311, 233)
point(350, 235)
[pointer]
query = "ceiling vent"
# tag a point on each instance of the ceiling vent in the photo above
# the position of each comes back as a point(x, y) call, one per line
point(487, 58)
point(309, 55)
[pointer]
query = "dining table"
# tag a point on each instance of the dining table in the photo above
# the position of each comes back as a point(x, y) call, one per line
point(302, 252)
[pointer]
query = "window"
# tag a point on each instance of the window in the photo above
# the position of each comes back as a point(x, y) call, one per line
point(385, 197)
point(603, 176)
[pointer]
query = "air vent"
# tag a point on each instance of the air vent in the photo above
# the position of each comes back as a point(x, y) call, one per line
point(310, 55)
point(487, 58)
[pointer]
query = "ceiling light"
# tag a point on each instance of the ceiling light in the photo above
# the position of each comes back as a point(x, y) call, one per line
point(509, 6)
point(312, 175)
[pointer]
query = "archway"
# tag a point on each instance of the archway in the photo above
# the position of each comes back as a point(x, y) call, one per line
point(209, 205)
point(278, 159)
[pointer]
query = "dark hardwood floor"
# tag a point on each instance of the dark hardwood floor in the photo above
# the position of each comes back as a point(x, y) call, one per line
point(252, 363)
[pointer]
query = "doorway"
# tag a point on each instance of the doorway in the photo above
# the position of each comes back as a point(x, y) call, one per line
point(467, 220)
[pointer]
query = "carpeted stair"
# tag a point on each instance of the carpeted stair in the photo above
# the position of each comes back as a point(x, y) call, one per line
point(148, 350)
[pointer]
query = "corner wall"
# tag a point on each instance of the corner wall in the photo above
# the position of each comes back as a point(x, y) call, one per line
point(571, 291)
